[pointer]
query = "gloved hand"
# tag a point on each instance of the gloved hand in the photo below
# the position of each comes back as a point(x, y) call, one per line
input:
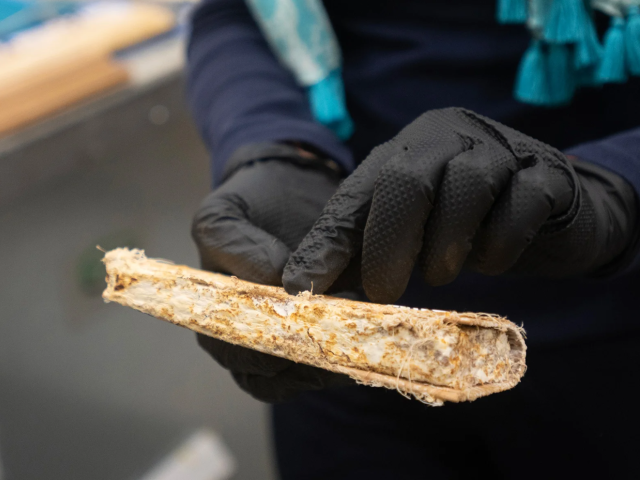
point(456, 189)
point(248, 228)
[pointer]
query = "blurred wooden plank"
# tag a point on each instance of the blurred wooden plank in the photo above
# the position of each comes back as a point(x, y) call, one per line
point(94, 77)
point(153, 65)
point(67, 45)
point(34, 73)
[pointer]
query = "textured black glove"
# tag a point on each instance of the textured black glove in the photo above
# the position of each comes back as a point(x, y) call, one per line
point(248, 228)
point(456, 189)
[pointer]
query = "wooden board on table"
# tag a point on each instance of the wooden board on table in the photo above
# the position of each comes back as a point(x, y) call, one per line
point(29, 106)
point(61, 62)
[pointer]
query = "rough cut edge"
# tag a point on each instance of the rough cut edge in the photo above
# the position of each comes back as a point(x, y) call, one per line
point(424, 392)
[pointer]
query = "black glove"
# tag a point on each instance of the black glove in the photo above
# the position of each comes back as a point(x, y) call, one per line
point(248, 227)
point(456, 189)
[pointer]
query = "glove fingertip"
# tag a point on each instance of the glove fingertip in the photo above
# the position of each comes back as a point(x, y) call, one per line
point(296, 281)
point(267, 264)
point(441, 274)
point(381, 295)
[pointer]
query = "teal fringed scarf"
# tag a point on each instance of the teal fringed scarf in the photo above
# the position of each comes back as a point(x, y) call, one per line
point(565, 53)
point(301, 36)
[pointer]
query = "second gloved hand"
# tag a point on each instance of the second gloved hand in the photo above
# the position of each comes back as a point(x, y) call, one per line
point(248, 227)
point(457, 189)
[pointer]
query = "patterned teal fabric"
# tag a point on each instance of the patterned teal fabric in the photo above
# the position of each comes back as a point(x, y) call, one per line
point(18, 15)
point(566, 52)
point(564, 29)
point(302, 38)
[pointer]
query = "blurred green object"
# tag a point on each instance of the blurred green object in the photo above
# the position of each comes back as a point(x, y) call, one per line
point(90, 271)
point(18, 15)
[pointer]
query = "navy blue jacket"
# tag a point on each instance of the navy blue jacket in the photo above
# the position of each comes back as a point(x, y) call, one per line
point(401, 58)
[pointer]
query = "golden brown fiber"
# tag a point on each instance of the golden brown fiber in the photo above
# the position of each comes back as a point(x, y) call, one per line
point(432, 355)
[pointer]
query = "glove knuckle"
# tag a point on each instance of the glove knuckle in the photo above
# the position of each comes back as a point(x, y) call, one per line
point(534, 181)
point(468, 172)
point(398, 184)
point(199, 229)
point(380, 153)
point(398, 167)
point(214, 209)
point(453, 110)
point(466, 163)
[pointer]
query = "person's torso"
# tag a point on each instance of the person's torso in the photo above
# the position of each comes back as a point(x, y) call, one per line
point(404, 57)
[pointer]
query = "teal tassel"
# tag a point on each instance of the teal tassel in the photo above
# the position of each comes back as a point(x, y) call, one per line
point(612, 68)
point(532, 85)
point(588, 77)
point(328, 105)
point(512, 11)
point(566, 21)
point(538, 14)
point(562, 81)
point(588, 50)
point(344, 128)
point(632, 40)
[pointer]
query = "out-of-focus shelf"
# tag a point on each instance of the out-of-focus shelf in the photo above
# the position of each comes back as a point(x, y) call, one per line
point(148, 66)
point(51, 66)
point(79, 135)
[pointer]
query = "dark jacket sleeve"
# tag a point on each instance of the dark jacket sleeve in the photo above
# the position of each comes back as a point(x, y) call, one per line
point(620, 154)
point(240, 94)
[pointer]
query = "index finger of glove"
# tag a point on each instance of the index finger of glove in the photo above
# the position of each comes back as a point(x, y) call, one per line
point(228, 242)
point(241, 360)
point(336, 237)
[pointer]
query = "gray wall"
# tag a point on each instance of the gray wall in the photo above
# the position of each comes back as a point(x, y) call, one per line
point(90, 390)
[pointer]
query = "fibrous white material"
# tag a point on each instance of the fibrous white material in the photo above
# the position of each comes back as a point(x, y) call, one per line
point(434, 356)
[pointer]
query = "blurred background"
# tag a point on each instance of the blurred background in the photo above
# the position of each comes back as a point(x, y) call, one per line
point(97, 148)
